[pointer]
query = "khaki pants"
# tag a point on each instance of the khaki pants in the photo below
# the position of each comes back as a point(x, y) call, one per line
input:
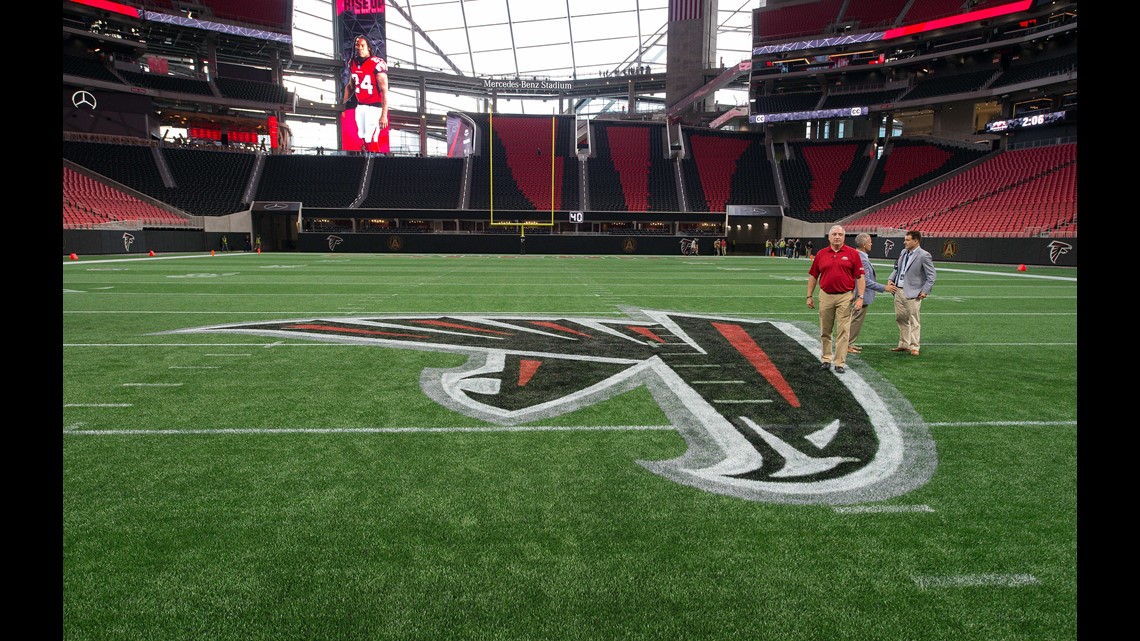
point(906, 315)
point(834, 316)
point(857, 316)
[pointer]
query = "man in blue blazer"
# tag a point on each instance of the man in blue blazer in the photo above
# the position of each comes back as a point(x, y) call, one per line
point(863, 245)
point(911, 281)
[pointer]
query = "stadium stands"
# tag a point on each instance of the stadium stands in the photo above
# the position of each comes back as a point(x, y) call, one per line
point(89, 203)
point(870, 14)
point(522, 164)
point(1015, 193)
point(209, 182)
point(805, 19)
point(628, 170)
point(725, 168)
point(399, 183)
point(317, 181)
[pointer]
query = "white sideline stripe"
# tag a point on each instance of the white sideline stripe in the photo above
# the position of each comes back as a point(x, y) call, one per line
point(93, 263)
point(152, 384)
point(972, 580)
point(1000, 423)
point(98, 404)
point(384, 430)
point(875, 509)
point(445, 430)
point(322, 344)
point(1017, 275)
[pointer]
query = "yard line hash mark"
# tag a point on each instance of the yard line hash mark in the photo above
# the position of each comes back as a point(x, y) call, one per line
point(152, 384)
point(974, 580)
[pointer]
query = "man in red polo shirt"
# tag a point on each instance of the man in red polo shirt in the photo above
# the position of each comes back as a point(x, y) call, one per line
point(839, 271)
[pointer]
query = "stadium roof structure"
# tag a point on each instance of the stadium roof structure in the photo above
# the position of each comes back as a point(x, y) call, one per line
point(466, 39)
point(572, 39)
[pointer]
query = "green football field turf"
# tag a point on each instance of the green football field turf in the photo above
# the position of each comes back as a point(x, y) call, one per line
point(268, 446)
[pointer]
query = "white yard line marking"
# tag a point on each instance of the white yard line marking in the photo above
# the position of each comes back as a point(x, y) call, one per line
point(877, 509)
point(973, 580)
point(445, 430)
point(152, 384)
point(999, 423)
point(386, 430)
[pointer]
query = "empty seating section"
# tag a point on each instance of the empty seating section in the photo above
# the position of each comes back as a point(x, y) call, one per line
point(922, 10)
point(908, 163)
point(869, 14)
point(629, 171)
point(522, 164)
point(822, 179)
point(806, 19)
point(252, 90)
point(861, 99)
point(88, 202)
point(130, 165)
point(827, 163)
point(87, 68)
point(1031, 71)
point(209, 183)
point(945, 85)
point(784, 103)
point(269, 13)
point(415, 183)
point(316, 181)
point(629, 153)
point(1018, 193)
point(1030, 208)
point(528, 145)
point(727, 169)
point(167, 83)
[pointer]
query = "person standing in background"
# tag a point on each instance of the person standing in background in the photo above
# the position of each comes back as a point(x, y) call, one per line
point(914, 271)
point(863, 246)
point(839, 272)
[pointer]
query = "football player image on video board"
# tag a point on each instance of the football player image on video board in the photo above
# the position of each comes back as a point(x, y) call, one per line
point(364, 121)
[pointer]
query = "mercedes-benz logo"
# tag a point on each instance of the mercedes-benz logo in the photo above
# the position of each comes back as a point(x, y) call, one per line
point(83, 98)
point(277, 206)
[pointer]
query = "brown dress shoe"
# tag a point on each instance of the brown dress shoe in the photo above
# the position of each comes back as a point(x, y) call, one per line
point(899, 349)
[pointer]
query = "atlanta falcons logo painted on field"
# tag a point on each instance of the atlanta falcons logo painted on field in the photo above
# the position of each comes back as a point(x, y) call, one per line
point(760, 420)
point(1058, 249)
